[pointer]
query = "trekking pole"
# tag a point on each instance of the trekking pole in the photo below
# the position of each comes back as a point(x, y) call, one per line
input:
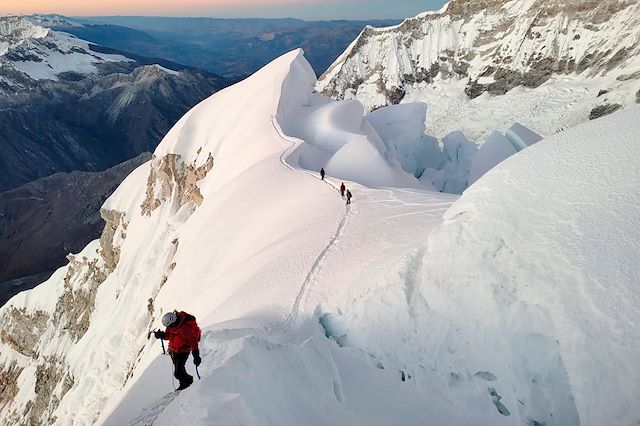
point(198, 373)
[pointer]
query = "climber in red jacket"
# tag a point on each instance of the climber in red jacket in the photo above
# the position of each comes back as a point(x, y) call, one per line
point(183, 335)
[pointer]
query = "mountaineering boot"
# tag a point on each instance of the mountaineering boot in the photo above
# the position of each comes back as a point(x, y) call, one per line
point(186, 384)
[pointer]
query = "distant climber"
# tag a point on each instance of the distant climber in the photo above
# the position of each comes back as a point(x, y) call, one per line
point(348, 196)
point(183, 335)
point(322, 173)
point(342, 188)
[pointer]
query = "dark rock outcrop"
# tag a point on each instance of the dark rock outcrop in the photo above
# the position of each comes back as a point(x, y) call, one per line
point(602, 110)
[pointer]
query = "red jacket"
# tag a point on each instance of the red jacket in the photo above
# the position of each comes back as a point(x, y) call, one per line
point(184, 335)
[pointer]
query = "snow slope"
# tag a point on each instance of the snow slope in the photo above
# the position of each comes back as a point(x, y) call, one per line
point(506, 314)
point(498, 317)
point(322, 314)
point(545, 273)
point(187, 229)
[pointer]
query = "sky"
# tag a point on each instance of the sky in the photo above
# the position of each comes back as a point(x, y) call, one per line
point(304, 9)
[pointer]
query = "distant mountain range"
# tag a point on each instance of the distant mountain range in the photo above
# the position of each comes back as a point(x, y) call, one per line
point(67, 104)
point(230, 47)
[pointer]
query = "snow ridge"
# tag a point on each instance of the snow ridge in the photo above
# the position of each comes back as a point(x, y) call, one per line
point(290, 319)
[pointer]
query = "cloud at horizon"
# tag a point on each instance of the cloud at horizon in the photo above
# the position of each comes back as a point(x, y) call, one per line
point(306, 9)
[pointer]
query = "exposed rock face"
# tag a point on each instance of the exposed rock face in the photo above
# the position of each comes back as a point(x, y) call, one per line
point(26, 329)
point(74, 307)
point(489, 46)
point(53, 381)
point(602, 110)
point(42, 221)
point(110, 253)
point(9, 384)
point(170, 177)
point(68, 105)
point(41, 339)
point(28, 332)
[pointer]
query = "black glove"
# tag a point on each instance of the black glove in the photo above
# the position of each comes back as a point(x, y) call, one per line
point(159, 334)
point(196, 357)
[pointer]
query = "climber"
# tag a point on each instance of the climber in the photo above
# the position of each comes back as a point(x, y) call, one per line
point(348, 196)
point(183, 335)
point(322, 173)
point(342, 188)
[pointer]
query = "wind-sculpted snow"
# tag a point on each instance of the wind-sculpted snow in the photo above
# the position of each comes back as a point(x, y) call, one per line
point(532, 276)
point(497, 148)
point(392, 141)
point(340, 139)
point(318, 313)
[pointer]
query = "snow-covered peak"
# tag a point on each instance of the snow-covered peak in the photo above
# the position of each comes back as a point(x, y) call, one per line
point(15, 30)
point(471, 61)
point(39, 53)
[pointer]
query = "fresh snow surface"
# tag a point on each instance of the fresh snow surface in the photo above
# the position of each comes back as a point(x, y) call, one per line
point(533, 277)
point(518, 307)
point(495, 149)
point(507, 314)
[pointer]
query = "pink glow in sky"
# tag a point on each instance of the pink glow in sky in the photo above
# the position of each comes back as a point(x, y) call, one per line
point(138, 7)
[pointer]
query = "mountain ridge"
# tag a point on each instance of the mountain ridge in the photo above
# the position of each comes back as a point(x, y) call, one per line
point(493, 47)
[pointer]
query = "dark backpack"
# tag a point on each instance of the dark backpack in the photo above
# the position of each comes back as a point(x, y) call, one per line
point(191, 331)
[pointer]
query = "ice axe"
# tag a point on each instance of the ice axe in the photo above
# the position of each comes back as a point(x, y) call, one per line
point(161, 341)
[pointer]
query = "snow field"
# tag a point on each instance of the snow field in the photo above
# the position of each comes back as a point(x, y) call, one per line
point(512, 304)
